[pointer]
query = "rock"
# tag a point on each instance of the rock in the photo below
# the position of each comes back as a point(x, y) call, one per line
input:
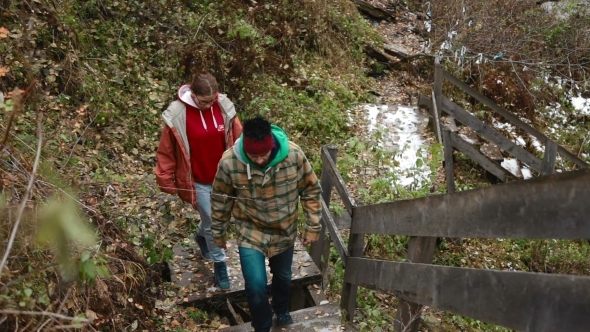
point(491, 151)
point(469, 135)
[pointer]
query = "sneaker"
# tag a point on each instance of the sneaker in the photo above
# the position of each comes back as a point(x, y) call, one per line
point(221, 277)
point(284, 319)
point(203, 247)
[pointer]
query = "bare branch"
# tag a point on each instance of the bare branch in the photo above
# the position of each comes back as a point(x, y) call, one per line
point(43, 313)
point(27, 192)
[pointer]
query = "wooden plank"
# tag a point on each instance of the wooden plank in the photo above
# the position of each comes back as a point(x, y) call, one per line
point(424, 101)
point(549, 157)
point(326, 318)
point(512, 118)
point(335, 234)
point(349, 291)
point(356, 244)
point(315, 296)
point(547, 207)
point(483, 129)
point(517, 300)
point(437, 113)
point(480, 158)
point(321, 248)
point(243, 313)
point(449, 164)
point(234, 318)
point(438, 84)
point(338, 181)
point(436, 96)
point(193, 275)
point(342, 221)
point(420, 250)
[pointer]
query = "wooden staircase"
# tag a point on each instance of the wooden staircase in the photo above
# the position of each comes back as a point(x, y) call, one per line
point(325, 318)
point(309, 308)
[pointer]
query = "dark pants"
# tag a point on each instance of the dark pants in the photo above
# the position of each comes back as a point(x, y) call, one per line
point(254, 271)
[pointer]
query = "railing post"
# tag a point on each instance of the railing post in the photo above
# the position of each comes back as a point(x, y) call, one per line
point(356, 244)
point(420, 250)
point(321, 248)
point(437, 96)
point(449, 164)
point(549, 158)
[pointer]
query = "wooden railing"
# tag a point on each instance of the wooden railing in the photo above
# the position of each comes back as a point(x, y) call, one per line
point(450, 140)
point(547, 207)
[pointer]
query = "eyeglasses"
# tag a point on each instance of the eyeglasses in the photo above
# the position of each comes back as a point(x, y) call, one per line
point(203, 102)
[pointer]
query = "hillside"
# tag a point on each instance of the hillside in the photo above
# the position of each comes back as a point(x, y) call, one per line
point(84, 229)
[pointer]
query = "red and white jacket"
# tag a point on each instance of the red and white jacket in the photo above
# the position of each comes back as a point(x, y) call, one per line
point(173, 166)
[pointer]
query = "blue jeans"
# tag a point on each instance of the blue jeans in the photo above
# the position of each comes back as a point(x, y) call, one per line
point(254, 271)
point(204, 205)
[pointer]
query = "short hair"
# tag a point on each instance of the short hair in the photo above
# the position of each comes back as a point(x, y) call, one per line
point(204, 84)
point(256, 128)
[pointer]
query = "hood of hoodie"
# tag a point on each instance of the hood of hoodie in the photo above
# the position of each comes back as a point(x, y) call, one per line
point(175, 116)
point(280, 137)
point(184, 95)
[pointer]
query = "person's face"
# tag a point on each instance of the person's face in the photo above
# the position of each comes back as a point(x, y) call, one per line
point(259, 160)
point(204, 101)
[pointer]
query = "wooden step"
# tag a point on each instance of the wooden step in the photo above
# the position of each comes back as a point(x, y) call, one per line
point(325, 318)
point(194, 275)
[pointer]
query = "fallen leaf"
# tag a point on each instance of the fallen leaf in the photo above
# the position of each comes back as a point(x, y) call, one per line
point(91, 315)
point(82, 109)
point(4, 32)
point(3, 71)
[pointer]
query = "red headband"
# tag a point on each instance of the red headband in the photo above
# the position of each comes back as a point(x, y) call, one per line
point(259, 147)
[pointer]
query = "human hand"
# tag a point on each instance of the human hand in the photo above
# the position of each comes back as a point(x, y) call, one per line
point(306, 241)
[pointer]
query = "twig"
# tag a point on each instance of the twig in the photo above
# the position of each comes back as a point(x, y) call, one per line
point(27, 192)
point(17, 97)
point(20, 140)
point(521, 81)
point(59, 309)
point(43, 313)
point(70, 196)
point(199, 27)
point(78, 140)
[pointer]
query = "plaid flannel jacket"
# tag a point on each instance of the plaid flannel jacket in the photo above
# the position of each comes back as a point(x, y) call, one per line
point(265, 207)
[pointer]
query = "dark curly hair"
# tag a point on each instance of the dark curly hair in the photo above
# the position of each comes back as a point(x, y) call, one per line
point(256, 128)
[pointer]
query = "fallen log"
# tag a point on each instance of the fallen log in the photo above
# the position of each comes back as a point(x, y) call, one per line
point(372, 11)
point(392, 56)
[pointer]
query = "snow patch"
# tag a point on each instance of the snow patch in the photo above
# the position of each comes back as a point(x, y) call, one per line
point(512, 166)
point(402, 125)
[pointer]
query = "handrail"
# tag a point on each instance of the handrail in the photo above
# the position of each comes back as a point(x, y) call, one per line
point(510, 117)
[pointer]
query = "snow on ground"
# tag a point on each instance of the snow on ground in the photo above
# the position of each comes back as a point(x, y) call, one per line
point(555, 114)
point(403, 127)
point(582, 105)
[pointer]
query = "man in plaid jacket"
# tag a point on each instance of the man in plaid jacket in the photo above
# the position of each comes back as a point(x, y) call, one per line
point(261, 181)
